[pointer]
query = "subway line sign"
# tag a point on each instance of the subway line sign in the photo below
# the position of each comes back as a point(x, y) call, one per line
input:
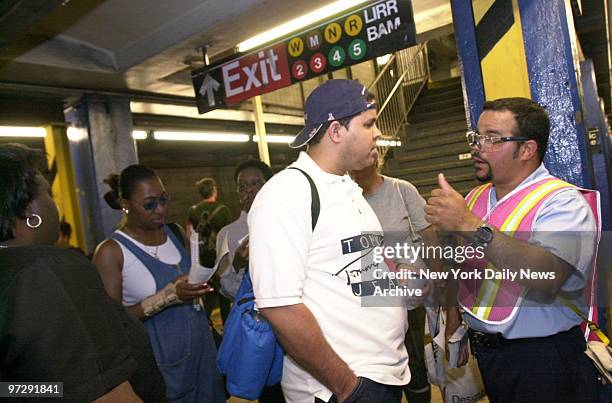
point(373, 30)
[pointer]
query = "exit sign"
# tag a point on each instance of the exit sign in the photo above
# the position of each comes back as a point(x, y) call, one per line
point(373, 30)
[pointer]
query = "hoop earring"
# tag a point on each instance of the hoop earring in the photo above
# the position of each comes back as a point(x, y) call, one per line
point(34, 226)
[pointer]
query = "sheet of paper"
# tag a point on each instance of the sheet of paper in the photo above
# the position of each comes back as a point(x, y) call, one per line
point(199, 273)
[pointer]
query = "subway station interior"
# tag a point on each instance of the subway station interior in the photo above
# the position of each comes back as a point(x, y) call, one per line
point(102, 84)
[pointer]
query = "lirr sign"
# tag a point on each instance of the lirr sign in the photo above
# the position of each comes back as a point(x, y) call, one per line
point(373, 30)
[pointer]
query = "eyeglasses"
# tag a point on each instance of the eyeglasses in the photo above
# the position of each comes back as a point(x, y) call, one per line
point(482, 141)
point(151, 205)
point(255, 184)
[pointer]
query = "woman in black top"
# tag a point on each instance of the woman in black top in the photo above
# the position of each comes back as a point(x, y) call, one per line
point(57, 324)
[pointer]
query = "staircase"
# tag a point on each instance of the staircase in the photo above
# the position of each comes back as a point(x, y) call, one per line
point(434, 141)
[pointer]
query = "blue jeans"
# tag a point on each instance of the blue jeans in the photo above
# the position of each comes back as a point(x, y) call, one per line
point(368, 391)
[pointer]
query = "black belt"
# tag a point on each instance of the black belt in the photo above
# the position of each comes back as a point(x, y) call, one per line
point(492, 340)
point(488, 340)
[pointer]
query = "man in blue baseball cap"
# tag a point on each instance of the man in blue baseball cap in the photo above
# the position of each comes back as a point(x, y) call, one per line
point(307, 260)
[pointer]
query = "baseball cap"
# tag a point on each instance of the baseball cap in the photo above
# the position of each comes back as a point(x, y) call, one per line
point(333, 100)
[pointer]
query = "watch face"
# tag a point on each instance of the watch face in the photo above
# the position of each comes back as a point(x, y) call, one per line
point(484, 234)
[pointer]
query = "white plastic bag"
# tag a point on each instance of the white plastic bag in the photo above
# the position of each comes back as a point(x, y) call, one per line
point(462, 384)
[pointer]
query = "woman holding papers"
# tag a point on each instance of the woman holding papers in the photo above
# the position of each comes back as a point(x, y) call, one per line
point(144, 264)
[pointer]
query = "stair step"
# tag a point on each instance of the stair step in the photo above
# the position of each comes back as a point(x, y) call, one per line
point(451, 150)
point(440, 120)
point(442, 85)
point(448, 124)
point(462, 183)
point(433, 180)
point(424, 107)
point(457, 110)
point(465, 172)
point(434, 140)
point(441, 94)
point(416, 143)
point(447, 82)
point(462, 187)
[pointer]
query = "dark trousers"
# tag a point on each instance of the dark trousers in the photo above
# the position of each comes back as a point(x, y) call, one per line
point(418, 390)
point(551, 369)
point(368, 391)
point(272, 394)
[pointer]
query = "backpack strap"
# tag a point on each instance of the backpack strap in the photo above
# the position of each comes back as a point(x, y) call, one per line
point(315, 204)
point(414, 236)
point(215, 212)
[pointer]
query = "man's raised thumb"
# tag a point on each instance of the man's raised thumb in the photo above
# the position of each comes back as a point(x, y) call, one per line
point(444, 185)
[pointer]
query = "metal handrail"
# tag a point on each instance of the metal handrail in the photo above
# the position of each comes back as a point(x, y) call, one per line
point(382, 72)
point(399, 94)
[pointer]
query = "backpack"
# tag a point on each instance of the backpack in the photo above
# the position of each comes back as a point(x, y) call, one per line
point(249, 355)
point(208, 237)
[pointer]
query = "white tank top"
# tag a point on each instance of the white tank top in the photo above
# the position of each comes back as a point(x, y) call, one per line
point(138, 282)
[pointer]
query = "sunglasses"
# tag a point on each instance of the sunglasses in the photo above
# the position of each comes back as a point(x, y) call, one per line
point(151, 205)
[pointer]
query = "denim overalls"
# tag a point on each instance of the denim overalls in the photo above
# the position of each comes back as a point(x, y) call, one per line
point(182, 341)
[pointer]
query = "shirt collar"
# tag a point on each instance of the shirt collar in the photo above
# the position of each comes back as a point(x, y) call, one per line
point(306, 163)
point(540, 173)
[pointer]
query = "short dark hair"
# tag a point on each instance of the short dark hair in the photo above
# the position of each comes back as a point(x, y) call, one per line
point(122, 185)
point(19, 167)
point(264, 168)
point(316, 139)
point(206, 187)
point(531, 119)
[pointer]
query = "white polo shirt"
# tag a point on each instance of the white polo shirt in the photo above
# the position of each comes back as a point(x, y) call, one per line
point(289, 264)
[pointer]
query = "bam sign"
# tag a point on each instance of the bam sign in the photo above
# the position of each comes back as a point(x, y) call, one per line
point(368, 32)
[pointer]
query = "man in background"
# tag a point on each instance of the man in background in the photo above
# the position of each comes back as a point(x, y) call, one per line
point(399, 208)
point(250, 176)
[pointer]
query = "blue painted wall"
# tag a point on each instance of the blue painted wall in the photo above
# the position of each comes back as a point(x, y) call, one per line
point(469, 62)
point(553, 85)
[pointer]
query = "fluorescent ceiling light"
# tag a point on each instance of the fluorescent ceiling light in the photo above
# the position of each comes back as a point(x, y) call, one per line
point(384, 59)
point(201, 136)
point(139, 135)
point(297, 23)
point(76, 134)
point(388, 143)
point(275, 138)
point(15, 131)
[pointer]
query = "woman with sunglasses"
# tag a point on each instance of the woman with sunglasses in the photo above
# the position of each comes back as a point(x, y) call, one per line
point(144, 264)
point(56, 321)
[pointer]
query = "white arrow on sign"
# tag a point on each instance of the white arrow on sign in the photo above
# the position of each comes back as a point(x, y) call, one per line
point(208, 88)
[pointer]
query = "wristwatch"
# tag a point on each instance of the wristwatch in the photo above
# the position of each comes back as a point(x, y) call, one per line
point(483, 236)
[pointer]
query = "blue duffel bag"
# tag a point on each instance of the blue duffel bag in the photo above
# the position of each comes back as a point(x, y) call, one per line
point(249, 355)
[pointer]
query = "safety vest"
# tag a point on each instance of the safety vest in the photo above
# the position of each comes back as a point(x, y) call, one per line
point(496, 301)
